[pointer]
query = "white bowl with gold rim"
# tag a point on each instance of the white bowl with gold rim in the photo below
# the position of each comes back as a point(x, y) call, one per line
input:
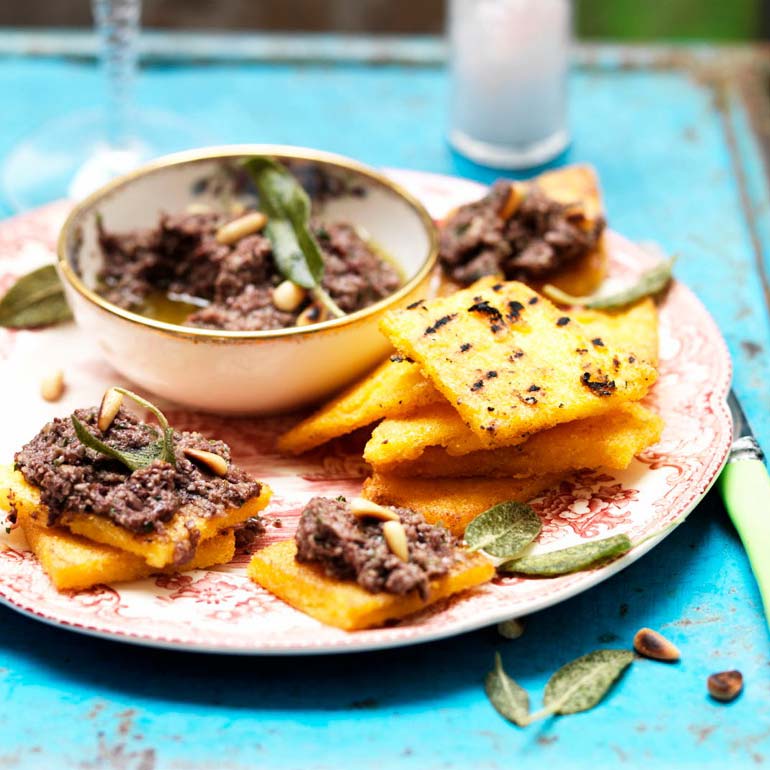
point(243, 372)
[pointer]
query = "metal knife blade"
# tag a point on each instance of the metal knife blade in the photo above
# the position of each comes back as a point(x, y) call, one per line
point(745, 445)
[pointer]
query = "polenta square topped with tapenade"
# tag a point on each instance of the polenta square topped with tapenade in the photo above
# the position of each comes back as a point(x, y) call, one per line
point(106, 476)
point(511, 363)
point(358, 565)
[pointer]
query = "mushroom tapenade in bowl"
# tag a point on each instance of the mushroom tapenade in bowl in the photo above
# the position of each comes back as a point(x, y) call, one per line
point(245, 279)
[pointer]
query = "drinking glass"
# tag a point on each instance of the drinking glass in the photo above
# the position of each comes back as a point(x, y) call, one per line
point(508, 64)
point(73, 155)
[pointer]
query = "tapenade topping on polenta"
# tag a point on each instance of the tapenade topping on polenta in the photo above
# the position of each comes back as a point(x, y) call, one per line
point(517, 231)
point(371, 551)
point(74, 477)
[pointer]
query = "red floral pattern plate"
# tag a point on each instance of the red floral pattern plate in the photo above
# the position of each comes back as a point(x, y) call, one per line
point(220, 610)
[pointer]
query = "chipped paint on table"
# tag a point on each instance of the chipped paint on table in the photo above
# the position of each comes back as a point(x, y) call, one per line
point(679, 137)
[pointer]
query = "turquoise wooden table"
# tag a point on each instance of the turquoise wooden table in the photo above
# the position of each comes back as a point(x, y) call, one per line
point(679, 137)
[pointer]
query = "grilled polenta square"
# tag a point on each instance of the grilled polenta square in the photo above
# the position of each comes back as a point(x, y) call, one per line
point(511, 363)
point(572, 189)
point(73, 563)
point(608, 441)
point(187, 527)
point(453, 502)
point(180, 536)
point(344, 603)
point(401, 439)
point(632, 329)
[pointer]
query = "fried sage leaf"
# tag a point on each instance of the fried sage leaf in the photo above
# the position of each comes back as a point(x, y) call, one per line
point(581, 684)
point(297, 255)
point(36, 299)
point(571, 559)
point(504, 530)
point(509, 698)
point(577, 686)
point(133, 459)
point(649, 284)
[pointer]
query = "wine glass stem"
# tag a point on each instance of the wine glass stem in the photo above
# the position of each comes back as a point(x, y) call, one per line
point(117, 27)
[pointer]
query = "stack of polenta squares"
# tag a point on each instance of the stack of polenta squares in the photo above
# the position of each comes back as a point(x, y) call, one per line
point(83, 550)
point(494, 393)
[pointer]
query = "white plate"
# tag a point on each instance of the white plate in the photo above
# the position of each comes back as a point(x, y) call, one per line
point(220, 610)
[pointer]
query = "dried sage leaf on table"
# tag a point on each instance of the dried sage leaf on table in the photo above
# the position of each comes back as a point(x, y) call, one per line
point(571, 559)
point(36, 299)
point(509, 698)
point(575, 687)
point(504, 530)
point(581, 684)
point(649, 284)
point(133, 459)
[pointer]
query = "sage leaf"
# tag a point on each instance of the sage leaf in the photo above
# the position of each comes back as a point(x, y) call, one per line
point(509, 698)
point(167, 438)
point(648, 284)
point(296, 252)
point(134, 459)
point(571, 559)
point(289, 256)
point(581, 684)
point(35, 299)
point(287, 206)
point(504, 530)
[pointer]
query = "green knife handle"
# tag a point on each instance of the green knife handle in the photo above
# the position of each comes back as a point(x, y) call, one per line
point(745, 488)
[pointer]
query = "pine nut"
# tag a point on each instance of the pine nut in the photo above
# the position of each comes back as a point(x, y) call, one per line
point(312, 314)
point(288, 296)
point(198, 209)
point(362, 508)
point(239, 228)
point(395, 536)
point(109, 407)
point(216, 464)
point(653, 645)
point(52, 386)
point(515, 197)
point(574, 211)
point(510, 629)
point(726, 685)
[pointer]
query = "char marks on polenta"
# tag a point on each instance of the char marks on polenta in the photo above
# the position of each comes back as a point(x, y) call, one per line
point(531, 367)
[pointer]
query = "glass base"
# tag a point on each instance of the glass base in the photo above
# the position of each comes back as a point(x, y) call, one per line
point(502, 156)
point(70, 158)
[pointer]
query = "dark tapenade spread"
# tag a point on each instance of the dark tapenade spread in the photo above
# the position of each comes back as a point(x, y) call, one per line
point(350, 548)
point(73, 477)
point(539, 238)
point(232, 285)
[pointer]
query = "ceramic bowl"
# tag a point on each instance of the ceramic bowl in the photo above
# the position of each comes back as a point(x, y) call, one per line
point(243, 372)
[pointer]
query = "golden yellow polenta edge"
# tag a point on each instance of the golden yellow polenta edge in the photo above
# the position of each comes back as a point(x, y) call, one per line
point(345, 604)
point(158, 549)
point(73, 563)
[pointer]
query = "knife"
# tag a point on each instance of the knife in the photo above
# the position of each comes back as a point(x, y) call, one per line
point(745, 487)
